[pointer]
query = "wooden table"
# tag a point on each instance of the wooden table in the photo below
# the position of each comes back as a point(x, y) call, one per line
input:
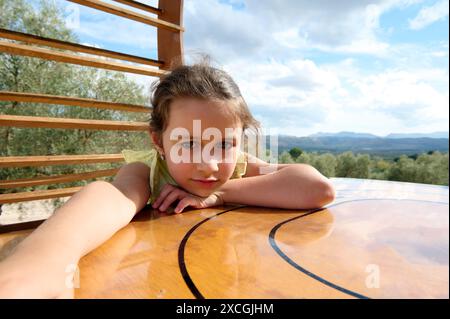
point(378, 239)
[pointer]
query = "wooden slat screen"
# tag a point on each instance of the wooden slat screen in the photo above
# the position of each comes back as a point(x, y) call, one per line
point(75, 47)
point(170, 51)
point(35, 52)
point(73, 101)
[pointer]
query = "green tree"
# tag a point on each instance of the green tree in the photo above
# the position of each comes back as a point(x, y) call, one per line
point(432, 168)
point(285, 158)
point(349, 165)
point(429, 168)
point(379, 168)
point(305, 158)
point(345, 164)
point(362, 166)
point(326, 164)
point(295, 152)
point(403, 170)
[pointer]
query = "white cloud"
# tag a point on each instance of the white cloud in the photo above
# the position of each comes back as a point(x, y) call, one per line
point(395, 100)
point(354, 32)
point(272, 28)
point(440, 54)
point(220, 31)
point(407, 95)
point(330, 26)
point(429, 15)
point(266, 47)
point(302, 97)
point(304, 75)
point(298, 84)
point(263, 45)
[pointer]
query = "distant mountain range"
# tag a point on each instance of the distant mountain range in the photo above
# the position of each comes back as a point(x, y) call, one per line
point(390, 146)
point(392, 135)
point(419, 135)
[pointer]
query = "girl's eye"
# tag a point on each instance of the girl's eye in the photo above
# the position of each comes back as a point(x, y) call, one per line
point(227, 145)
point(188, 144)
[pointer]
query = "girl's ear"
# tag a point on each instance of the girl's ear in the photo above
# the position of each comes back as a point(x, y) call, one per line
point(157, 141)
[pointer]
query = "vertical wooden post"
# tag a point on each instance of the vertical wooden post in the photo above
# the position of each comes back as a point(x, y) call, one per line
point(170, 43)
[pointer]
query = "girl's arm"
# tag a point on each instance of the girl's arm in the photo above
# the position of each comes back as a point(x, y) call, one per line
point(38, 267)
point(290, 186)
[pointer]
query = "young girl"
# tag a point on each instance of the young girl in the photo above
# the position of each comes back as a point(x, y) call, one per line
point(187, 103)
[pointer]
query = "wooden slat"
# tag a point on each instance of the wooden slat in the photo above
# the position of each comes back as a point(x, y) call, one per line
point(139, 5)
point(20, 226)
point(64, 123)
point(72, 101)
point(39, 194)
point(170, 45)
point(48, 180)
point(47, 160)
point(125, 13)
point(33, 39)
point(35, 52)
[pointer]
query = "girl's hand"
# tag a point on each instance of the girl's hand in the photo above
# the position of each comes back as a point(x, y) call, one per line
point(170, 193)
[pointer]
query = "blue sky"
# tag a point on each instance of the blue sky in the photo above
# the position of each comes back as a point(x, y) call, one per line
point(309, 66)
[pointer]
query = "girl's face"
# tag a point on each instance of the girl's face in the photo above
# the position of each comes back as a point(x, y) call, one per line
point(191, 117)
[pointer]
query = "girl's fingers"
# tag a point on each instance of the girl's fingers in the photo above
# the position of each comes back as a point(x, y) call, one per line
point(162, 195)
point(170, 198)
point(183, 204)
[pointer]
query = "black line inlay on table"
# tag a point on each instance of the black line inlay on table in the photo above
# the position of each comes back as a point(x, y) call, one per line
point(181, 249)
point(309, 273)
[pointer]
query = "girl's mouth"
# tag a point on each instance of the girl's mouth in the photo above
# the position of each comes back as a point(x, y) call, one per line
point(205, 183)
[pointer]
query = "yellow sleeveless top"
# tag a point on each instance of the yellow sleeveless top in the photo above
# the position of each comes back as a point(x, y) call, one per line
point(159, 173)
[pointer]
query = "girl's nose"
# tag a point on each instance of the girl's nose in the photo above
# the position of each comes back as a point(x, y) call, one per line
point(208, 167)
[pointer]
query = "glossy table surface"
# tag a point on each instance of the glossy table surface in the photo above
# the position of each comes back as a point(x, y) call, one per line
point(378, 239)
